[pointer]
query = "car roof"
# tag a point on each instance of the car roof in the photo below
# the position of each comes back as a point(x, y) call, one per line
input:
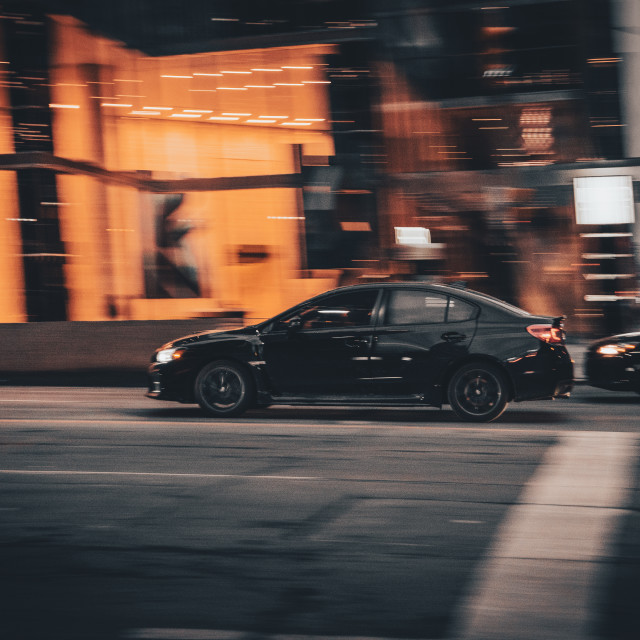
point(453, 289)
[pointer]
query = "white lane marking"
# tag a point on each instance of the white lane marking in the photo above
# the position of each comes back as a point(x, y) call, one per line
point(184, 634)
point(40, 401)
point(293, 423)
point(221, 634)
point(538, 580)
point(159, 474)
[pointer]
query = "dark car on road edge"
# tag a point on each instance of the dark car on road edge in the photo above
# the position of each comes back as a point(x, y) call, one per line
point(613, 362)
point(381, 344)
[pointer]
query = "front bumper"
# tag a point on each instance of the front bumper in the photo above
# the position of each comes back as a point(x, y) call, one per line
point(614, 373)
point(170, 381)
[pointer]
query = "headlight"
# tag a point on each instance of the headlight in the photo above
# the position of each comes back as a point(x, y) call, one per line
point(167, 355)
point(615, 349)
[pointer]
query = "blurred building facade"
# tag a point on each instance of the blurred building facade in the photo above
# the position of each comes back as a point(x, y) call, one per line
point(160, 164)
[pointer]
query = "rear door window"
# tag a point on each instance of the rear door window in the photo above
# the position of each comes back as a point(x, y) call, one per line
point(415, 306)
point(412, 306)
point(459, 310)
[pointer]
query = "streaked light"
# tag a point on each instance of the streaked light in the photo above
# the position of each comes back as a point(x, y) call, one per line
point(231, 88)
point(171, 76)
point(606, 235)
point(603, 60)
point(275, 117)
point(260, 86)
point(297, 67)
point(63, 106)
point(212, 75)
point(236, 114)
point(261, 121)
point(311, 119)
point(606, 256)
point(185, 115)
point(116, 104)
point(159, 108)
point(244, 73)
point(295, 124)
point(272, 70)
point(607, 276)
point(288, 84)
point(145, 113)
point(223, 118)
point(198, 111)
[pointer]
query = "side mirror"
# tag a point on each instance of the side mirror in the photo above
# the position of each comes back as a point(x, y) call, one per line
point(294, 324)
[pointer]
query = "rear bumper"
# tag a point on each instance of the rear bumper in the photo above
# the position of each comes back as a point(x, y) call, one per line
point(548, 373)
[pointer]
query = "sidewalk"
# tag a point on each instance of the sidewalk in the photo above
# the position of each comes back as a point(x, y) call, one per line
point(110, 353)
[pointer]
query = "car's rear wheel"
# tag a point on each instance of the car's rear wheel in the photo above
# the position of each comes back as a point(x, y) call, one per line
point(224, 389)
point(478, 392)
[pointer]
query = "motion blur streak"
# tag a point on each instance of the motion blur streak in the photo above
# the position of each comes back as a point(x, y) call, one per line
point(538, 579)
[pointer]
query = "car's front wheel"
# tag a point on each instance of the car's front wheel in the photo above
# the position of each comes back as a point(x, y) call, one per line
point(478, 392)
point(224, 389)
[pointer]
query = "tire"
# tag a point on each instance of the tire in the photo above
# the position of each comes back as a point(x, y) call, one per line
point(478, 392)
point(224, 389)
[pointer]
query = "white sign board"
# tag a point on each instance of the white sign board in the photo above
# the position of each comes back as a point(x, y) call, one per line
point(604, 200)
point(413, 236)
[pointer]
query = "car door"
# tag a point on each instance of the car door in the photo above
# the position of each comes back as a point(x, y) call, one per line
point(420, 332)
point(322, 347)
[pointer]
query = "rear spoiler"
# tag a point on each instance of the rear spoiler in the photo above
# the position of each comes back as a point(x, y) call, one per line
point(558, 323)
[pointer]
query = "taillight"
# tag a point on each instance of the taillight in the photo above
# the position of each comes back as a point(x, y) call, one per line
point(547, 333)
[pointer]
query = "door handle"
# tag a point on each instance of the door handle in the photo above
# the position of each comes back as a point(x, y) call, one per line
point(356, 342)
point(453, 336)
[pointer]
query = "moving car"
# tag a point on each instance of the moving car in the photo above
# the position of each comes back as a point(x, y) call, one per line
point(384, 344)
point(613, 363)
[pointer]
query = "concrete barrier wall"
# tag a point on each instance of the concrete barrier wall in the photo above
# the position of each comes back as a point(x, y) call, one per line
point(51, 347)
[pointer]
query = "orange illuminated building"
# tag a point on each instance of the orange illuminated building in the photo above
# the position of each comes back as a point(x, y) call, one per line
point(177, 178)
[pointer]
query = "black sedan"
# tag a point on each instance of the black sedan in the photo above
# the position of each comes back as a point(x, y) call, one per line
point(382, 344)
point(613, 363)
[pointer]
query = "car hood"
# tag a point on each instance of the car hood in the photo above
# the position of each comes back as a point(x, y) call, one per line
point(210, 336)
point(633, 335)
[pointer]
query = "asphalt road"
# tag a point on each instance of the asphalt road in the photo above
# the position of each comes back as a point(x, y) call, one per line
point(123, 517)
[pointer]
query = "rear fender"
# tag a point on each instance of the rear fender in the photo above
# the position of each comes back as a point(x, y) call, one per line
point(453, 367)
